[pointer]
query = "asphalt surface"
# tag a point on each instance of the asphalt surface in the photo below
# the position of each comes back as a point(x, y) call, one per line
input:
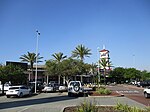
point(132, 92)
point(55, 102)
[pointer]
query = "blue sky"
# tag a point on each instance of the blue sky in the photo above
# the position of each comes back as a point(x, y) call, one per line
point(123, 26)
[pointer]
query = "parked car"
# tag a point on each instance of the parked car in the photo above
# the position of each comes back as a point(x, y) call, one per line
point(62, 88)
point(18, 91)
point(52, 82)
point(147, 92)
point(133, 82)
point(56, 86)
point(145, 83)
point(75, 87)
point(6, 86)
point(39, 86)
point(49, 88)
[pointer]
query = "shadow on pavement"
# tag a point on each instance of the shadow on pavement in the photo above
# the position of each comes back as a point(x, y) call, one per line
point(13, 104)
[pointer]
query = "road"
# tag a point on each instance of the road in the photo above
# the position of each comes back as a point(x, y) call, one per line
point(132, 92)
point(55, 102)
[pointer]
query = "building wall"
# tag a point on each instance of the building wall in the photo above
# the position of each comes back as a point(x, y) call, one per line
point(105, 54)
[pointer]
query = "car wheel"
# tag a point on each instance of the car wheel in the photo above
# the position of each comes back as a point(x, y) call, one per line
point(85, 94)
point(69, 94)
point(8, 96)
point(30, 93)
point(21, 95)
point(146, 95)
point(61, 91)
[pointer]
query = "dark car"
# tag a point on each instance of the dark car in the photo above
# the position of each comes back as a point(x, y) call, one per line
point(39, 86)
point(145, 83)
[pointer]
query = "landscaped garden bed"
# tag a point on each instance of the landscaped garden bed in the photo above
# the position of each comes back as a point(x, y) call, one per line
point(99, 109)
point(89, 107)
point(113, 93)
point(102, 91)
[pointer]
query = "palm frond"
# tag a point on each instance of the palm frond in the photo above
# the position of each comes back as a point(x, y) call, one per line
point(80, 52)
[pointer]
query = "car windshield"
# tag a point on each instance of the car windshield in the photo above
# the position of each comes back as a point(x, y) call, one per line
point(50, 85)
point(74, 84)
point(13, 88)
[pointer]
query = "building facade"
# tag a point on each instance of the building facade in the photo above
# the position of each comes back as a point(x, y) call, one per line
point(104, 54)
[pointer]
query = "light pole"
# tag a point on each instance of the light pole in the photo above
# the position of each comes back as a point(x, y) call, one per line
point(37, 35)
point(98, 64)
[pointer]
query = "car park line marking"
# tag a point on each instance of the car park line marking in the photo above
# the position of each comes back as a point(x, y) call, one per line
point(23, 109)
point(127, 91)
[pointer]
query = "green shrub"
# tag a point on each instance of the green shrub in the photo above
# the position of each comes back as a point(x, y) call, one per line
point(103, 87)
point(147, 109)
point(127, 108)
point(91, 107)
point(103, 91)
point(87, 107)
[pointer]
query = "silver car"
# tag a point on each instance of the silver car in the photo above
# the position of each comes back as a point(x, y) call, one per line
point(18, 91)
point(49, 88)
point(62, 88)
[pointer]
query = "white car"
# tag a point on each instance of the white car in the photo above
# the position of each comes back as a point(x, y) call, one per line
point(75, 87)
point(147, 92)
point(18, 91)
point(49, 88)
point(62, 88)
point(6, 87)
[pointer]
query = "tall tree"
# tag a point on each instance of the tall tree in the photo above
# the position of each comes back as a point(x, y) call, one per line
point(117, 74)
point(51, 67)
point(132, 73)
point(12, 73)
point(145, 75)
point(59, 57)
point(104, 63)
point(81, 52)
point(93, 69)
point(31, 59)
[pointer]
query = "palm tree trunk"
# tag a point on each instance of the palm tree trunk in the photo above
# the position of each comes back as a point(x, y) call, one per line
point(29, 75)
point(81, 78)
point(104, 76)
point(58, 79)
point(75, 77)
point(31, 67)
point(47, 79)
point(64, 80)
point(2, 88)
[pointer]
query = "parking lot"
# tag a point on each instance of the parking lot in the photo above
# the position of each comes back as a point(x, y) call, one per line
point(133, 92)
point(55, 102)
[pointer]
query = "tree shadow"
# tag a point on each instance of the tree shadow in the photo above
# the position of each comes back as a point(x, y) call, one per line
point(13, 104)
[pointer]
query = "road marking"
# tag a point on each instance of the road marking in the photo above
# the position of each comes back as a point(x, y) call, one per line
point(127, 91)
point(23, 109)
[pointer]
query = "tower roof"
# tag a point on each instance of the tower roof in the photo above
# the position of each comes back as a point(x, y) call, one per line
point(104, 50)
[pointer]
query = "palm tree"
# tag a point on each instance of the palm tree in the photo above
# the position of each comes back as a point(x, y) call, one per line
point(59, 57)
point(81, 52)
point(31, 59)
point(104, 63)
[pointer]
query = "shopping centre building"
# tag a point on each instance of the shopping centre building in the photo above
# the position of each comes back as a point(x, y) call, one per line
point(44, 77)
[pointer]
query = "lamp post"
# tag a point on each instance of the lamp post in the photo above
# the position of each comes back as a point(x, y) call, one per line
point(37, 35)
point(98, 64)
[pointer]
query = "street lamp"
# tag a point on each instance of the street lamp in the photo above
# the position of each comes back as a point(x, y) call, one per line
point(98, 64)
point(37, 35)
